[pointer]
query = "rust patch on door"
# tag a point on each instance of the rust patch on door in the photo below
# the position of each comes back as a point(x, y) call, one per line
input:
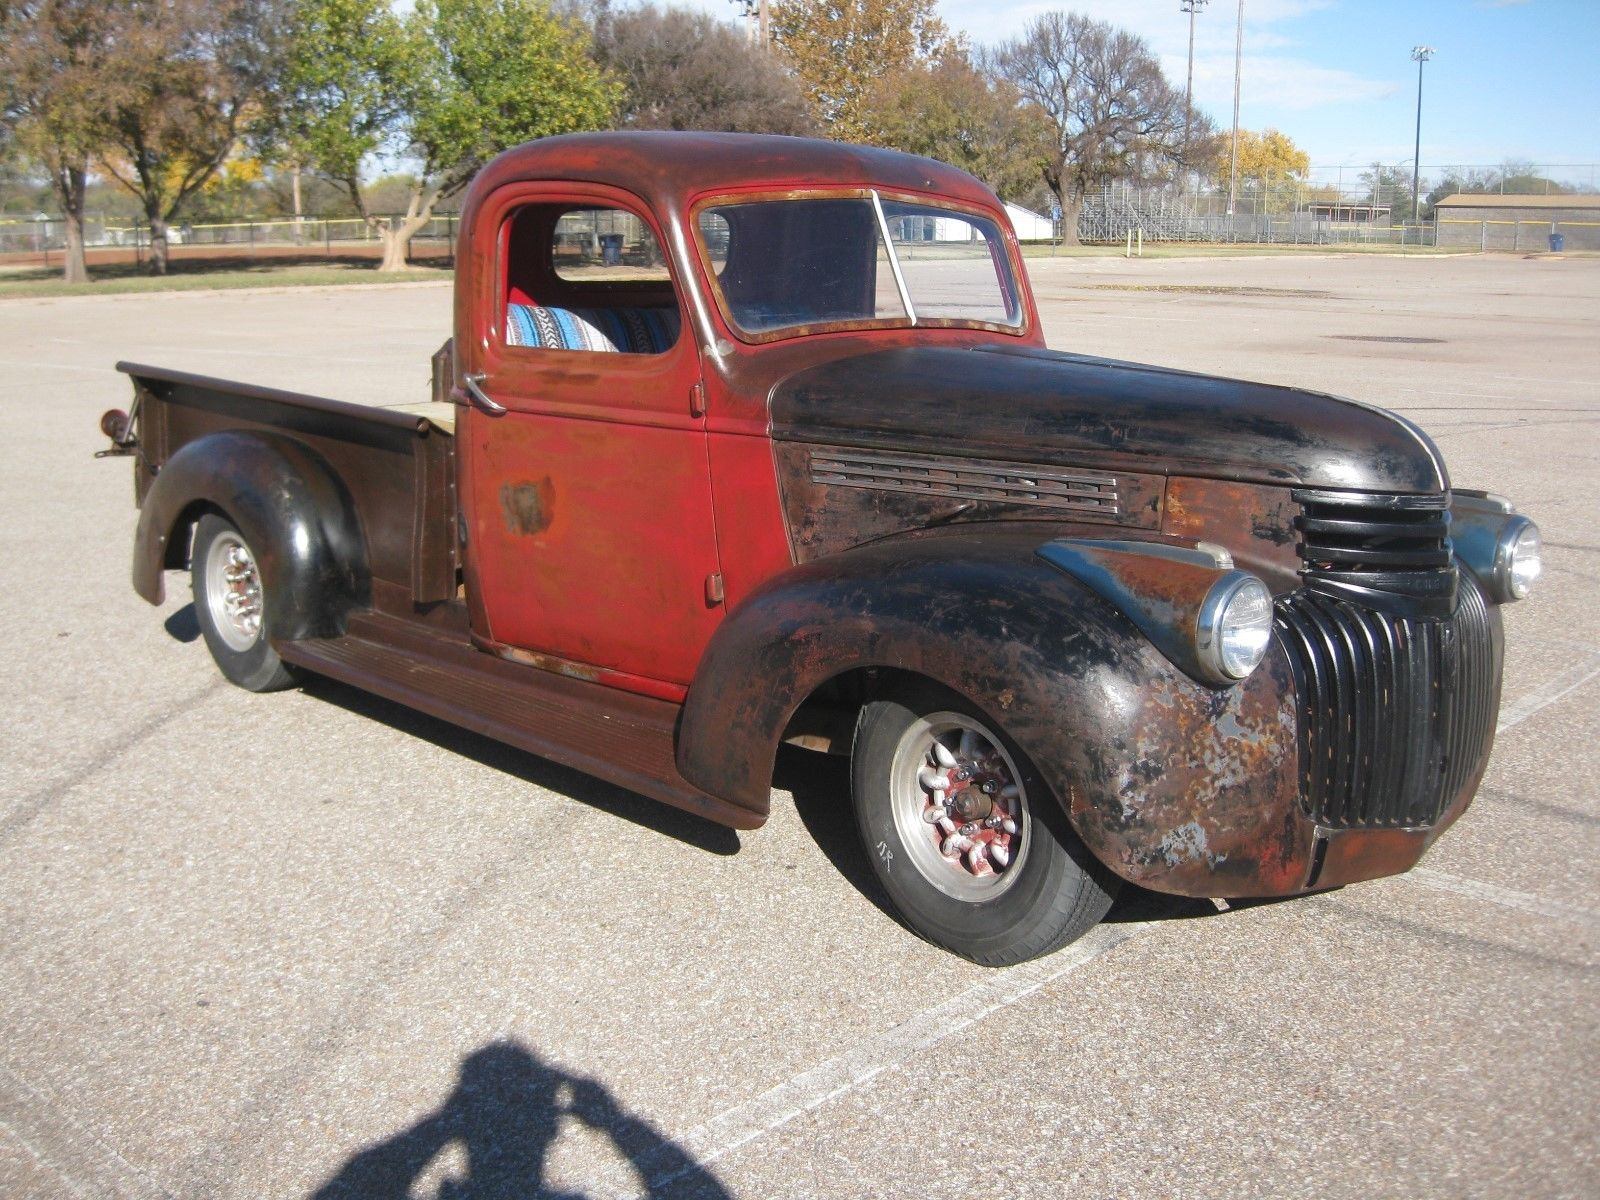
point(528, 507)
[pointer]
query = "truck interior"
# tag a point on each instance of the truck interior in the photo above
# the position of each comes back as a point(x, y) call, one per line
point(588, 280)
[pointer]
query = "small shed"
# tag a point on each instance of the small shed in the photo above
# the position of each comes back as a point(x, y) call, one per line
point(1491, 221)
point(1030, 226)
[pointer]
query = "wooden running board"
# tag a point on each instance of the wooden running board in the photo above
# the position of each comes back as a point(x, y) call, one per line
point(623, 738)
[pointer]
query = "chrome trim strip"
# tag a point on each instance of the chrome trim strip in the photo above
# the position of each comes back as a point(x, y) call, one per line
point(894, 259)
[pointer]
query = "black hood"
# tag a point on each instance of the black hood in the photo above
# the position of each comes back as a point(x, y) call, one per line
point(1041, 406)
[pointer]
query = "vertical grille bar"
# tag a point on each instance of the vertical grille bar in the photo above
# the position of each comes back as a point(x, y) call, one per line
point(1395, 714)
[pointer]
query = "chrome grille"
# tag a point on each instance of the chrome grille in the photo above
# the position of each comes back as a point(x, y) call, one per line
point(968, 479)
point(1396, 715)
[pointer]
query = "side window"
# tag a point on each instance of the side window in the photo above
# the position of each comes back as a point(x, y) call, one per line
point(587, 279)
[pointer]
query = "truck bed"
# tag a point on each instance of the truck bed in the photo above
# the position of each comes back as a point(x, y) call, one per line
point(398, 463)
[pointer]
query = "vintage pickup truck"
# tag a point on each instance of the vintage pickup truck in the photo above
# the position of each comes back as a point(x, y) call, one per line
point(750, 440)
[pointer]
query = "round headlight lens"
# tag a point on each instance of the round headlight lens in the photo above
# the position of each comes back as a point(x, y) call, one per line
point(1235, 625)
point(1524, 561)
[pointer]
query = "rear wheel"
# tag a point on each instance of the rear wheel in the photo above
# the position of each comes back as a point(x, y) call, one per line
point(964, 835)
point(230, 602)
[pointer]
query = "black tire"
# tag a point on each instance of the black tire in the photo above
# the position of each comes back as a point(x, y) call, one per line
point(1059, 891)
point(244, 659)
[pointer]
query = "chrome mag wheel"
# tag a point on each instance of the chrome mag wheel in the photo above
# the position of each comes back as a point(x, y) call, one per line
point(233, 591)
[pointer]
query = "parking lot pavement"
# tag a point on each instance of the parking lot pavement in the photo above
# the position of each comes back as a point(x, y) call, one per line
point(270, 945)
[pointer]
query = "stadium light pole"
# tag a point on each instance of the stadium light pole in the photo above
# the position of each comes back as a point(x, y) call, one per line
point(1422, 54)
point(756, 20)
point(1233, 157)
point(1191, 7)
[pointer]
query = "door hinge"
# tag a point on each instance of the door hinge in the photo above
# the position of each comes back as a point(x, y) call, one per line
point(714, 588)
point(697, 400)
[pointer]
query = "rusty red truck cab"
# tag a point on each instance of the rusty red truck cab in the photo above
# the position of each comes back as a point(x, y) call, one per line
point(743, 440)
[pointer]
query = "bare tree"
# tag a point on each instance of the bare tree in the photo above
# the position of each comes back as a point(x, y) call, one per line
point(1110, 108)
point(949, 110)
point(194, 74)
point(56, 79)
point(688, 70)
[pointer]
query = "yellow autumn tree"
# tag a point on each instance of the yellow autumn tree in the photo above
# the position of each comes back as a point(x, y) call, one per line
point(839, 49)
point(1270, 161)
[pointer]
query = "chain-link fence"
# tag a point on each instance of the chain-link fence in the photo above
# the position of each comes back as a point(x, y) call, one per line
point(1344, 205)
point(44, 233)
point(1369, 204)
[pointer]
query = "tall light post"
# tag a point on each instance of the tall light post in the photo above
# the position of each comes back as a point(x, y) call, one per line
point(1233, 157)
point(1422, 54)
point(755, 15)
point(1191, 7)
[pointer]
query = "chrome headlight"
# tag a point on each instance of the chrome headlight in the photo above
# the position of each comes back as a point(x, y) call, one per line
point(1234, 626)
point(1518, 560)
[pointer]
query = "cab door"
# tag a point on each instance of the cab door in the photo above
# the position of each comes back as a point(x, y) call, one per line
point(586, 487)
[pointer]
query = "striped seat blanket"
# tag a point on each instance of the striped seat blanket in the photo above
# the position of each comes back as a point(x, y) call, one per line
point(607, 330)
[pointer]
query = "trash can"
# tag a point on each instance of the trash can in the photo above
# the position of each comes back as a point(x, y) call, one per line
point(1558, 243)
point(611, 249)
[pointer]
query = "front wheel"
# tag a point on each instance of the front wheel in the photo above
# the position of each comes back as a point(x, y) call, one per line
point(964, 835)
point(230, 602)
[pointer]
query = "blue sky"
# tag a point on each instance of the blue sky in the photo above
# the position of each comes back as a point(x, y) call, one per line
point(1511, 78)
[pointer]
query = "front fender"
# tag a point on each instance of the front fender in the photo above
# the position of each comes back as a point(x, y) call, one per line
point(1170, 783)
point(293, 511)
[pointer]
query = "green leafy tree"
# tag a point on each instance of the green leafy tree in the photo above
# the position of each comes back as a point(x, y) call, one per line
point(59, 72)
point(444, 87)
point(351, 69)
point(839, 48)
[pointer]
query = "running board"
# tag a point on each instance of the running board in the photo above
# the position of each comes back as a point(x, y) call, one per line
point(618, 736)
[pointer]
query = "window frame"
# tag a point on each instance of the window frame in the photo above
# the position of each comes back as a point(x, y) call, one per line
point(875, 196)
point(572, 197)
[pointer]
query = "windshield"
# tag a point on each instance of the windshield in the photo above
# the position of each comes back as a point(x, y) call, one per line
point(786, 264)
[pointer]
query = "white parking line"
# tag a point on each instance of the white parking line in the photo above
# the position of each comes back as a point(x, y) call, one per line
point(56, 366)
point(810, 1089)
point(1547, 693)
point(79, 1160)
point(1525, 901)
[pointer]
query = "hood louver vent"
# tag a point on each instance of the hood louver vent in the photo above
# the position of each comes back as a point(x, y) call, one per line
point(968, 479)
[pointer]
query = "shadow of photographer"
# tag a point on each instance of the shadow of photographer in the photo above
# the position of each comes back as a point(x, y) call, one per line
point(505, 1114)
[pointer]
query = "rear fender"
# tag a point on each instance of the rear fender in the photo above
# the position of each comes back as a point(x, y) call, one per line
point(1170, 783)
point(292, 509)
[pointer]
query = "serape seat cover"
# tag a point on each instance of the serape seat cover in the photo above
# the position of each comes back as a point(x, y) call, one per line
point(606, 330)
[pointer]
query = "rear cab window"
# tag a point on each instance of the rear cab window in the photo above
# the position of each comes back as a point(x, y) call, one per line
point(588, 280)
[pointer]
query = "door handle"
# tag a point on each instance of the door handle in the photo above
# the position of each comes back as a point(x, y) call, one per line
point(480, 397)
